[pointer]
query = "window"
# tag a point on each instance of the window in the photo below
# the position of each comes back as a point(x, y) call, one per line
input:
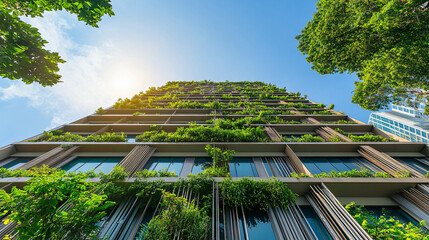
point(317, 165)
point(169, 164)
point(392, 211)
point(401, 125)
point(131, 138)
point(255, 224)
point(200, 164)
point(424, 134)
point(97, 164)
point(243, 167)
point(412, 130)
point(13, 163)
point(418, 164)
point(315, 223)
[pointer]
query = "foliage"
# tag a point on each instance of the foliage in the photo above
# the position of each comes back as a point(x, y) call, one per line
point(151, 174)
point(340, 131)
point(137, 113)
point(385, 226)
point(340, 122)
point(296, 175)
point(304, 138)
point(116, 174)
point(323, 112)
point(60, 136)
point(221, 159)
point(23, 53)
point(370, 138)
point(178, 216)
point(100, 111)
point(331, 106)
point(253, 194)
point(335, 138)
point(353, 173)
point(222, 131)
point(41, 208)
point(384, 41)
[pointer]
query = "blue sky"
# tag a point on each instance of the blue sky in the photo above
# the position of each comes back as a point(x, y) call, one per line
point(150, 42)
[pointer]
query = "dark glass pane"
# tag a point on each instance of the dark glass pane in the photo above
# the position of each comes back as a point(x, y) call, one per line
point(325, 166)
point(310, 165)
point(163, 163)
point(315, 223)
point(131, 138)
point(242, 167)
point(150, 165)
point(17, 163)
point(75, 164)
point(258, 225)
point(200, 164)
point(166, 163)
point(339, 165)
point(108, 164)
point(267, 167)
point(414, 164)
point(91, 164)
point(176, 165)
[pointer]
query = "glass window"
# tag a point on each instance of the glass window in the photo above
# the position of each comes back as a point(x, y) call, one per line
point(97, 164)
point(200, 164)
point(169, 164)
point(392, 211)
point(18, 162)
point(406, 127)
point(243, 167)
point(258, 225)
point(415, 164)
point(318, 165)
point(131, 138)
point(424, 134)
point(412, 130)
point(315, 223)
point(401, 125)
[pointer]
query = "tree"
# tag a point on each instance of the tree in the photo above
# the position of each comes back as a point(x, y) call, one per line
point(386, 42)
point(22, 49)
point(55, 206)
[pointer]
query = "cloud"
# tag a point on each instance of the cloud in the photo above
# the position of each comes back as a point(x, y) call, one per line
point(93, 76)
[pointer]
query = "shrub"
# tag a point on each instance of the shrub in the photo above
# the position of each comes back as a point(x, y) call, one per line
point(385, 226)
point(221, 159)
point(353, 173)
point(69, 137)
point(304, 138)
point(222, 131)
point(100, 111)
point(178, 215)
point(370, 138)
point(253, 194)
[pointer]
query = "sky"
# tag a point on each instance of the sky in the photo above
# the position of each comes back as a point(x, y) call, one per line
point(150, 42)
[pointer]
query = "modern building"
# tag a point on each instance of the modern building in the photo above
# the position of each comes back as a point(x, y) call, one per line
point(274, 133)
point(403, 121)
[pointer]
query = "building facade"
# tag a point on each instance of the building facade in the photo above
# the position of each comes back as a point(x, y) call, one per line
point(403, 121)
point(262, 132)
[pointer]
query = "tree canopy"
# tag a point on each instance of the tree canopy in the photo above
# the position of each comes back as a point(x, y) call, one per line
point(386, 42)
point(22, 49)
